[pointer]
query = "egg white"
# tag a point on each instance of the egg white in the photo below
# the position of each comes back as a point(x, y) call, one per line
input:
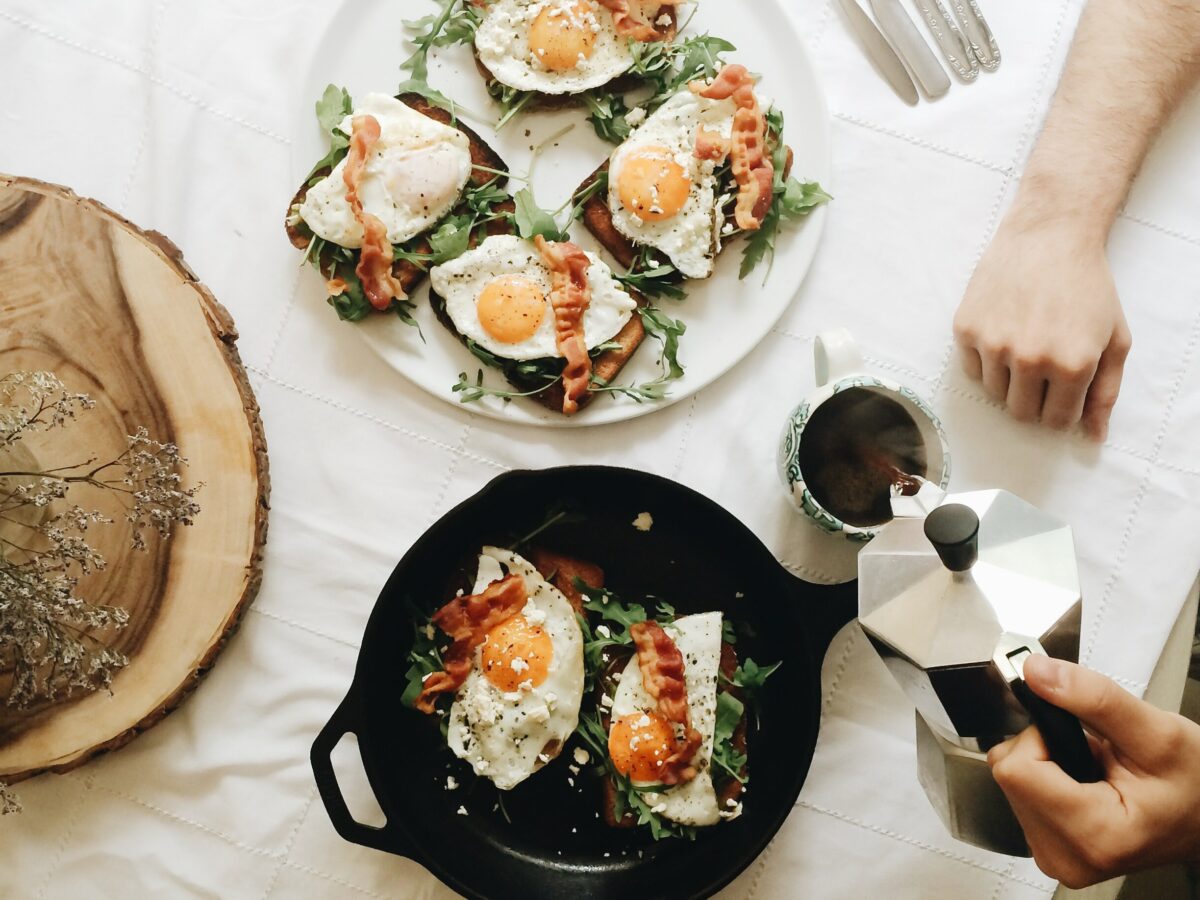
point(414, 176)
point(691, 238)
point(502, 42)
point(698, 638)
point(461, 280)
point(507, 736)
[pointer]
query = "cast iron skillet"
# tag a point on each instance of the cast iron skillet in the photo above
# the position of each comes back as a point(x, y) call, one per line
point(697, 556)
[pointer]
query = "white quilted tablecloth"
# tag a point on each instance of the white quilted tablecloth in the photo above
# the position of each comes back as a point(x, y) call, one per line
point(179, 115)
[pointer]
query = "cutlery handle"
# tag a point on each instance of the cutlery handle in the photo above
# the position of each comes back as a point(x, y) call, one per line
point(949, 38)
point(903, 35)
point(978, 34)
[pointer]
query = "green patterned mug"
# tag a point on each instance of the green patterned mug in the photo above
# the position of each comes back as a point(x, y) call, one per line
point(840, 367)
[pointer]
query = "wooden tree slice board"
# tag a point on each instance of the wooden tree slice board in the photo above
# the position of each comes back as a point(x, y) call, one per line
point(116, 313)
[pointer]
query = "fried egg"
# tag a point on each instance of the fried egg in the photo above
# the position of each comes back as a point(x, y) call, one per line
point(660, 194)
point(414, 176)
point(640, 738)
point(551, 46)
point(521, 700)
point(498, 295)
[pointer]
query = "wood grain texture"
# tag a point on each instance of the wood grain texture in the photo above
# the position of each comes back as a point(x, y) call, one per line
point(116, 313)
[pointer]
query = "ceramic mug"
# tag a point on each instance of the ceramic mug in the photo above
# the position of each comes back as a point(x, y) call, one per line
point(840, 367)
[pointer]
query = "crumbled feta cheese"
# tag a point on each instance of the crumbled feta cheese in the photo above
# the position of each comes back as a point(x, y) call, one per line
point(738, 596)
point(574, 769)
point(518, 665)
point(581, 756)
point(636, 116)
point(658, 810)
point(571, 782)
point(458, 593)
point(663, 21)
point(603, 631)
point(451, 783)
point(533, 615)
point(539, 713)
point(606, 701)
point(544, 757)
point(429, 632)
point(462, 810)
point(644, 521)
point(526, 685)
point(643, 722)
point(731, 802)
point(551, 700)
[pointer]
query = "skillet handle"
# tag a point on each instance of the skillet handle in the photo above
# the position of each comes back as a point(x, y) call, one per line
point(347, 720)
point(824, 610)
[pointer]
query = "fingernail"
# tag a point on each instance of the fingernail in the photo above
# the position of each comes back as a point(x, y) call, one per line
point(1044, 671)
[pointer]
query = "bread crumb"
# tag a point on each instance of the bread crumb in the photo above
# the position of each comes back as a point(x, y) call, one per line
point(643, 522)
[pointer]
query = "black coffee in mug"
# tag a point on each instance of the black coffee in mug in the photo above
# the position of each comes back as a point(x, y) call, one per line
point(857, 445)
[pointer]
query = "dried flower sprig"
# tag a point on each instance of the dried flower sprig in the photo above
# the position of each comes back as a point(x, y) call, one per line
point(47, 639)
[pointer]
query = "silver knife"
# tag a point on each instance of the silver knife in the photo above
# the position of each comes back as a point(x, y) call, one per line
point(880, 52)
point(902, 34)
point(949, 38)
point(978, 34)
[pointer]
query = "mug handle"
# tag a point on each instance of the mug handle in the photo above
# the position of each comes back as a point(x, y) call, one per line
point(836, 356)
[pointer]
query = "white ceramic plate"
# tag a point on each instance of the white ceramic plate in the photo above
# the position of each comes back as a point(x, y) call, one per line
point(726, 318)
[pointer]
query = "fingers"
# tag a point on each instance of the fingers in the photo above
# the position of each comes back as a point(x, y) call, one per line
point(995, 377)
point(1067, 394)
point(1102, 395)
point(1026, 393)
point(972, 363)
point(1136, 729)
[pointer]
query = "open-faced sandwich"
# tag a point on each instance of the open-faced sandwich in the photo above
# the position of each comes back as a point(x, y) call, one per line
point(512, 671)
point(404, 186)
point(549, 315)
point(705, 166)
point(549, 52)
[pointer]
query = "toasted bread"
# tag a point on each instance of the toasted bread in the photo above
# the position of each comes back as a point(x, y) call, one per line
point(619, 85)
point(606, 365)
point(597, 217)
point(409, 274)
point(561, 571)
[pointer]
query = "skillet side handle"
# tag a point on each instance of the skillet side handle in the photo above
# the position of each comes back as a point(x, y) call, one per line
point(824, 609)
point(346, 720)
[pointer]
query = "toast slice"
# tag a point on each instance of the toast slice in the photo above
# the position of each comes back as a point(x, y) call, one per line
point(409, 274)
point(606, 365)
point(622, 84)
point(597, 217)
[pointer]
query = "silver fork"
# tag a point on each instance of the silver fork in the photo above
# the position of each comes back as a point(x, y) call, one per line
point(978, 34)
point(965, 39)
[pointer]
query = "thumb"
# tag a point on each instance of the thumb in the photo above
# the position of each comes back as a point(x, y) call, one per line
point(1133, 726)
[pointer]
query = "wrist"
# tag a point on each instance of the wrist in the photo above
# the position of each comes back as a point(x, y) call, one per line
point(1046, 206)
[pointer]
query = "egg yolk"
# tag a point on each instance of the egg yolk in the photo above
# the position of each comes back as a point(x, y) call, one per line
point(511, 308)
point(652, 185)
point(563, 35)
point(516, 651)
point(639, 744)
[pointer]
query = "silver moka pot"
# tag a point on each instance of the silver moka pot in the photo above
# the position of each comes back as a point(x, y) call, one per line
point(955, 593)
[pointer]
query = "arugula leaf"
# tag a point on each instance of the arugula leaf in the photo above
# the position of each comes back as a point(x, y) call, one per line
point(335, 104)
point(750, 675)
point(473, 391)
point(532, 220)
point(611, 609)
point(425, 655)
point(650, 277)
point(664, 612)
point(725, 757)
point(728, 632)
point(607, 114)
point(667, 332)
point(451, 239)
point(454, 23)
point(511, 101)
point(791, 200)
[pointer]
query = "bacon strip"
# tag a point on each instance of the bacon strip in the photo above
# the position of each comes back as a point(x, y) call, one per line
point(752, 167)
point(374, 267)
point(630, 26)
point(468, 620)
point(662, 676)
point(711, 145)
point(570, 296)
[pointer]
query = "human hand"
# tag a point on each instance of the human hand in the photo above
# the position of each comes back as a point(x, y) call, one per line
point(1041, 324)
point(1145, 812)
